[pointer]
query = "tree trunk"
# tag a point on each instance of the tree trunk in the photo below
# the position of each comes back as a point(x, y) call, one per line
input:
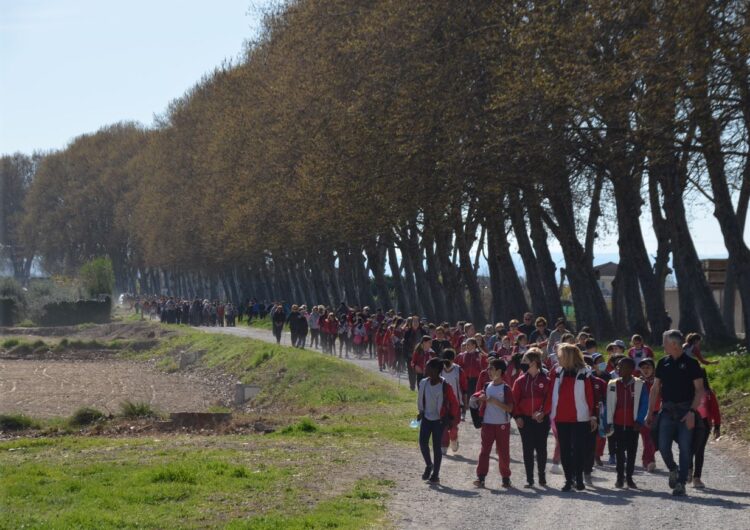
point(402, 304)
point(533, 277)
point(547, 267)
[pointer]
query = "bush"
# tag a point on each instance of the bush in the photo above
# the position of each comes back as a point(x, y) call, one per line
point(306, 425)
point(15, 422)
point(97, 277)
point(10, 343)
point(72, 313)
point(131, 410)
point(8, 311)
point(45, 292)
point(86, 416)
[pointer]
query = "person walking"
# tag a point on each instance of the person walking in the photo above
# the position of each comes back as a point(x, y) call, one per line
point(679, 383)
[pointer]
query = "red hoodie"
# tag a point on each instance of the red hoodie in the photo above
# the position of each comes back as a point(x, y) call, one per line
point(472, 363)
point(709, 408)
point(566, 403)
point(530, 394)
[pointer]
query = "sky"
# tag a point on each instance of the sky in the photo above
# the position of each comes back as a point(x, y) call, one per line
point(68, 67)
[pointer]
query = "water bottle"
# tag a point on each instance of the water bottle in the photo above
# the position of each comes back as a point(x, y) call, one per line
point(414, 424)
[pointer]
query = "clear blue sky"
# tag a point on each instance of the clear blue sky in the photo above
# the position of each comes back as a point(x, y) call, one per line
point(68, 67)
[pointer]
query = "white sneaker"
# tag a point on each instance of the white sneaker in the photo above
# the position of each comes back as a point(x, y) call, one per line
point(445, 450)
point(555, 469)
point(454, 445)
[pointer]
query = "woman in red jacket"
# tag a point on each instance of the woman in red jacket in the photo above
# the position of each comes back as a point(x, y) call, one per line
point(530, 392)
point(571, 406)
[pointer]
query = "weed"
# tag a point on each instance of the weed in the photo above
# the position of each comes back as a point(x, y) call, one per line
point(306, 425)
point(86, 416)
point(16, 422)
point(131, 410)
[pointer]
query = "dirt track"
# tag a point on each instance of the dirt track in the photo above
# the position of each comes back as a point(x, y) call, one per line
point(47, 389)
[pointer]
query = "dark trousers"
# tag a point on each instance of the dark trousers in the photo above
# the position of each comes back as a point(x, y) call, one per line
point(590, 456)
point(626, 442)
point(314, 333)
point(277, 332)
point(573, 438)
point(431, 429)
point(412, 376)
point(471, 384)
point(700, 439)
point(671, 429)
point(534, 440)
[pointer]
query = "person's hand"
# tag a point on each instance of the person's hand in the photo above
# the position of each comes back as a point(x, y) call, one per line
point(519, 423)
point(594, 424)
point(419, 416)
point(689, 420)
point(539, 416)
point(717, 432)
point(482, 397)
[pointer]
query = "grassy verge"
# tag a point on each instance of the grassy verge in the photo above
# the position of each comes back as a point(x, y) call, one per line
point(260, 323)
point(331, 417)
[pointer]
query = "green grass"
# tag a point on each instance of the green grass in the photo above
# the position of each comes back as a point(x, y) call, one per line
point(10, 343)
point(185, 482)
point(329, 417)
point(131, 410)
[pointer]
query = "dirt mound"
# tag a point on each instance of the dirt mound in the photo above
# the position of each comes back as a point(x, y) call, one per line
point(134, 331)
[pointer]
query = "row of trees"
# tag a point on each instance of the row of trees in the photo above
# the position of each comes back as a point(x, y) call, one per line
point(401, 145)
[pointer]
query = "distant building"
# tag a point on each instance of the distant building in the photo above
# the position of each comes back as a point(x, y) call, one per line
point(605, 274)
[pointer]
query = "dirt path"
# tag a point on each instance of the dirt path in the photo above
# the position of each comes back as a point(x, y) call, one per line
point(45, 389)
point(725, 503)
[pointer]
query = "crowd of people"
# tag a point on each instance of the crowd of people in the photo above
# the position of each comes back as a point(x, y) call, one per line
point(545, 380)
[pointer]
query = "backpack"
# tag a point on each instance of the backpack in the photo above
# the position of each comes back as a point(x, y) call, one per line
point(477, 419)
point(448, 419)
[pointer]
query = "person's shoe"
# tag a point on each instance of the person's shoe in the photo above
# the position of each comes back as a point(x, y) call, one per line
point(479, 483)
point(529, 483)
point(444, 450)
point(673, 474)
point(506, 482)
point(567, 487)
point(679, 490)
point(631, 484)
point(619, 483)
point(651, 467)
point(698, 483)
point(454, 445)
point(587, 479)
point(690, 475)
point(555, 469)
point(612, 460)
point(542, 479)
point(598, 461)
point(427, 472)
point(434, 479)
point(580, 486)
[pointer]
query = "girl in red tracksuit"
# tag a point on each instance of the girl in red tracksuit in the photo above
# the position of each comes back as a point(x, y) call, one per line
point(422, 353)
point(571, 407)
point(473, 361)
point(455, 376)
point(529, 397)
point(496, 407)
point(647, 368)
point(710, 417)
point(380, 336)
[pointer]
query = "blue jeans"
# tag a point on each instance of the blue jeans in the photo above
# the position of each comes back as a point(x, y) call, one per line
point(431, 429)
point(672, 428)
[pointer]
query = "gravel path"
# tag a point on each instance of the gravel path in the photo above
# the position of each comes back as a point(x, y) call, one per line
point(724, 504)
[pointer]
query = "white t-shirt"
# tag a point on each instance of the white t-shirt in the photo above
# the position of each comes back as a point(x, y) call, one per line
point(492, 413)
point(453, 379)
point(433, 394)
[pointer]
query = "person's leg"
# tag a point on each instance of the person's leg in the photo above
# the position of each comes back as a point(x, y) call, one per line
point(580, 443)
point(620, 444)
point(487, 435)
point(425, 429)
point(632, 449)
point(700, 450)
point(685, 443)
point(541, 435)
point(528, 444)
point(502, 447)
point(667, 426)
point(565, 438)
point(612, 448)
point(445, 440)
point(437, 453)
point(412, 375)
point(472, 385)
point(648, 447)
point(589, 453)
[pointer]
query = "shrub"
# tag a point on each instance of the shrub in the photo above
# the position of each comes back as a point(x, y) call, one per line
point(97, 277)
point(86, 416)
point(306, 425)
point(10, 343)
point(15, 422)
point(131, 410)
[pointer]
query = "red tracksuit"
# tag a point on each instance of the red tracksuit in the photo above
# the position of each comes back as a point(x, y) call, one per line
point(497, 434)
point(649, 449)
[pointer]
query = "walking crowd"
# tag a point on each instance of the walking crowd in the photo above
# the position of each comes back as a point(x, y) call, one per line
point(545, 380)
